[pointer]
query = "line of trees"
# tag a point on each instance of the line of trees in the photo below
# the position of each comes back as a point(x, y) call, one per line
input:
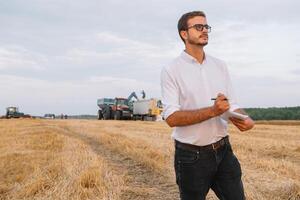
point(274, 113)
point(284, 113)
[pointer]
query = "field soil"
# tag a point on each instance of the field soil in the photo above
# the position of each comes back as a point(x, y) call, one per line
point(132, 160)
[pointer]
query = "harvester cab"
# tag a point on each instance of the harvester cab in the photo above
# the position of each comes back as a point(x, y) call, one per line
point(13, 112)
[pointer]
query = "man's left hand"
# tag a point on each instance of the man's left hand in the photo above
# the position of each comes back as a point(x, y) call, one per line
point(242, 125)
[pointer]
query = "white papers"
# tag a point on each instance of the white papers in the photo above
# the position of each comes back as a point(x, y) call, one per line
point(237, 115)
point(230, 113)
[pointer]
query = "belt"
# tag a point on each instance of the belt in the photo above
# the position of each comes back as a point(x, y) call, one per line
point(214, 146)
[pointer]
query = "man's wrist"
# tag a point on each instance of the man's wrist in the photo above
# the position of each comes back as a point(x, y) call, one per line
point(212, 112)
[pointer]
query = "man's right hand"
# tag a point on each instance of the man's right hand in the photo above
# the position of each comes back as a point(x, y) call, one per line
point(190, 117)
point(221, 105)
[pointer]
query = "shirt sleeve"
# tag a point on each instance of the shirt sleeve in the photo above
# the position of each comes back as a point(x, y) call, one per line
point(230, 91)
point(170, 94)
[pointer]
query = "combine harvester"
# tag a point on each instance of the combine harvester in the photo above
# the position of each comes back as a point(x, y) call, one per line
point(147, 109)
point(13, 112)
point(125, 108)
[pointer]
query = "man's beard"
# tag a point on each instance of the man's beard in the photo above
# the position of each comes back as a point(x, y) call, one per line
point(193, 42)
point(202, 44)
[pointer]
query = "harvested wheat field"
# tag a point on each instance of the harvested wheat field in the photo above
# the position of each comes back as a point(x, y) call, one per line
point(132, 160)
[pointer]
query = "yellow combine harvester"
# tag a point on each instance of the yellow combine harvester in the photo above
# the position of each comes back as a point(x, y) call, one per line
point(147, 109)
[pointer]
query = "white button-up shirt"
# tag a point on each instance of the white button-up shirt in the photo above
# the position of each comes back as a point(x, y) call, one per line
point(188, 85)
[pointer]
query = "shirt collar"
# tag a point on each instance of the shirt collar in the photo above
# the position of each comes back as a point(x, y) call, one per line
point(188, 58)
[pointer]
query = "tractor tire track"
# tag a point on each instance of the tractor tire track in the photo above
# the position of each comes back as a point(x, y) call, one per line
point(141, 183)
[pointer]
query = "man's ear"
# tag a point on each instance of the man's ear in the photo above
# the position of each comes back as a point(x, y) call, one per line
point(183, 34)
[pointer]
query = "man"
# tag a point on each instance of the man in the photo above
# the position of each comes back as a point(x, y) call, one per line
point(197, 93)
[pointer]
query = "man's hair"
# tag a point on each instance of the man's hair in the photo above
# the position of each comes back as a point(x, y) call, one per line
point(182, 23)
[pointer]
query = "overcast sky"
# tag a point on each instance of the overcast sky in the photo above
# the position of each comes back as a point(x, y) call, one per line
point(59, 56)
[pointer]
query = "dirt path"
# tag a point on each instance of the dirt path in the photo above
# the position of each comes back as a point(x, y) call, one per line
point(140, 182)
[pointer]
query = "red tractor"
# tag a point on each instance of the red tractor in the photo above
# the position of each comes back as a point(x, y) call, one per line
point(117, 108)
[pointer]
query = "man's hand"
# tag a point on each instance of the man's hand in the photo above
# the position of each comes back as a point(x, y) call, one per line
point(221, 105)
point(242, 125)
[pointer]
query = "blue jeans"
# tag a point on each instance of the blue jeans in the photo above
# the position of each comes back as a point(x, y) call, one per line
point(198, 171)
